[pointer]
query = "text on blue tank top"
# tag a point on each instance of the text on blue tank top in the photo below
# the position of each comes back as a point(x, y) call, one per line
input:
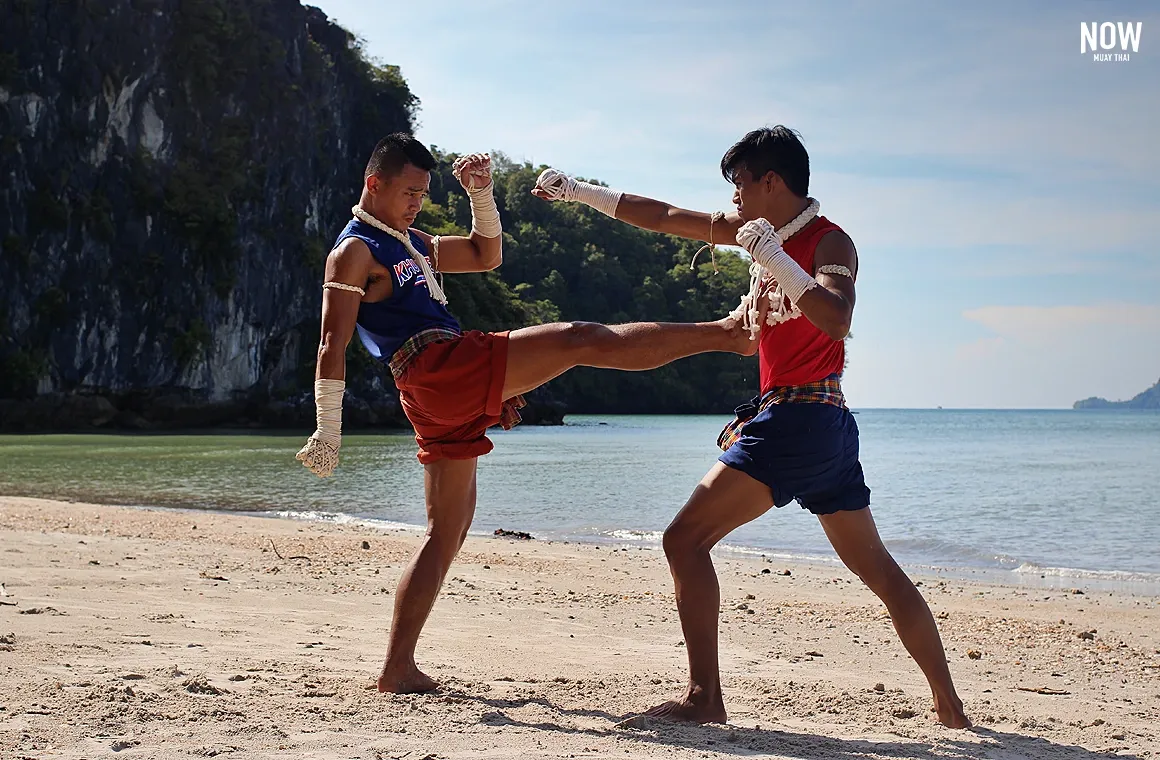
point(385, 325)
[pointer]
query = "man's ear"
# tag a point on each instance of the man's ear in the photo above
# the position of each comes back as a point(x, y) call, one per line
point(373, 183)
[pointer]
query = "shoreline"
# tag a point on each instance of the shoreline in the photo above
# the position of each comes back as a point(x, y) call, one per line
point(1026, 575)
point(216, 633)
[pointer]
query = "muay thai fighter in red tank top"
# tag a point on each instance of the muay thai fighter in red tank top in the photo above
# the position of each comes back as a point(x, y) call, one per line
point(797, 440)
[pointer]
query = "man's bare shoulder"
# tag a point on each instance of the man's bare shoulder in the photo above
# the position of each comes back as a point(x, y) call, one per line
point(836, 247)
point(351, 248)
point(353, 253)
point(836, 243)
point(424, 236)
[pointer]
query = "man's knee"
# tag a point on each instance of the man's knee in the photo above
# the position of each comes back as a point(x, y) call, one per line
point(584, 336)
point(879, 572)
point(448, 539)
point(682, 542)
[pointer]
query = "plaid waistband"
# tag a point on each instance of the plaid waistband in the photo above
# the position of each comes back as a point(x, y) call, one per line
point(414, 346)
point(825, 391)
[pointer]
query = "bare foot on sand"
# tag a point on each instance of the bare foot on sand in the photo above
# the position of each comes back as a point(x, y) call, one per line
point(950, 712)
point(405, 680)
point(694, 707)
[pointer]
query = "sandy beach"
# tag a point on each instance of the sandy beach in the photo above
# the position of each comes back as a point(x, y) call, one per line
point(143, 633)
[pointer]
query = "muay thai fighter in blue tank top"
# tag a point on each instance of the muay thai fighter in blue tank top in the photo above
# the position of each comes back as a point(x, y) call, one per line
point(381, 281)
point(383, 326)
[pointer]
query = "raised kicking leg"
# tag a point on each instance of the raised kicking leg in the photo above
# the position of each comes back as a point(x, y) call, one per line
point(538, 354)
point(855, 538)
point(451, 489)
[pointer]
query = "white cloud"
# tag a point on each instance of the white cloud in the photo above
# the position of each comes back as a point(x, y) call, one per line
point(1030, 323)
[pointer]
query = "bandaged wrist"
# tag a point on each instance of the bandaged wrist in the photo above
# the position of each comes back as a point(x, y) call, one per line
point(603, 199)
point(560, 187)
point(789, 275)
point(484, 214)
point(764, 244)
point(328, 410)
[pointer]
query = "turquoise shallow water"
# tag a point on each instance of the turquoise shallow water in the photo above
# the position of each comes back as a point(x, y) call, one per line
point(1019, 494)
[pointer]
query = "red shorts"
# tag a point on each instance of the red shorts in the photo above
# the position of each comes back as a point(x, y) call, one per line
point(452, 392)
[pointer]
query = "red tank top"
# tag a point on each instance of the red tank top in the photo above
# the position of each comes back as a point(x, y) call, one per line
point(797, 352)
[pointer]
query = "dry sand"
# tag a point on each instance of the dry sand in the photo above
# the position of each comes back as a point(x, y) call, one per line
point(139, 633)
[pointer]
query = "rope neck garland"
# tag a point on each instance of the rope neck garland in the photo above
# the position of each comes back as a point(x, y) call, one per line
point(781, 310)
point(420, 260)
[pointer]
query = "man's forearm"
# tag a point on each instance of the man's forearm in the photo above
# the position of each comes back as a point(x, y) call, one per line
point(637, 210)
point(320, 454)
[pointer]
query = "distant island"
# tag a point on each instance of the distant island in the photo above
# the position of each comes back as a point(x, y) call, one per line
point(1149, 399)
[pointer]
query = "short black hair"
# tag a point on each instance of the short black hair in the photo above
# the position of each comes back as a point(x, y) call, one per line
point(771, 149)
point(395, 151)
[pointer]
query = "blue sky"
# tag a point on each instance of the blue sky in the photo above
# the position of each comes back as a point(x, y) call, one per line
point(1003, 189)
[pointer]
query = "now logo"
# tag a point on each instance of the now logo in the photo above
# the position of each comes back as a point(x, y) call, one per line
point(1095, 37)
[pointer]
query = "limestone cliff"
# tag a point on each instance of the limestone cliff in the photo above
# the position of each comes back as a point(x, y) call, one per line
point(173, 174)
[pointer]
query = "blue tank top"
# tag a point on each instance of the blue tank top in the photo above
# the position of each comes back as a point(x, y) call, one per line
point(385, 325)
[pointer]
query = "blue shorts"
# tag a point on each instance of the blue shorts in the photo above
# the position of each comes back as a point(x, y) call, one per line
point(807, 452)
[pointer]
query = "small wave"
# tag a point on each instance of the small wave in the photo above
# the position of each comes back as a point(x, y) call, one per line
point(656, 537)
point(924, 555)
point(342, 519)
point(780, 554)
point(1109, 576)
point(919, 553)
point(938, 552)
point(641, 536)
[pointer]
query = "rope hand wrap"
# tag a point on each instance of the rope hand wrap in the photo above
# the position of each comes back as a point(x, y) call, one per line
point(405, 239)
point(484, 214)
point(320, 454)
point(560, 187)
point(766, 244)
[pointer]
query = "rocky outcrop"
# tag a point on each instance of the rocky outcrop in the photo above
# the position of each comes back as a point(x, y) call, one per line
point(1149, 399)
